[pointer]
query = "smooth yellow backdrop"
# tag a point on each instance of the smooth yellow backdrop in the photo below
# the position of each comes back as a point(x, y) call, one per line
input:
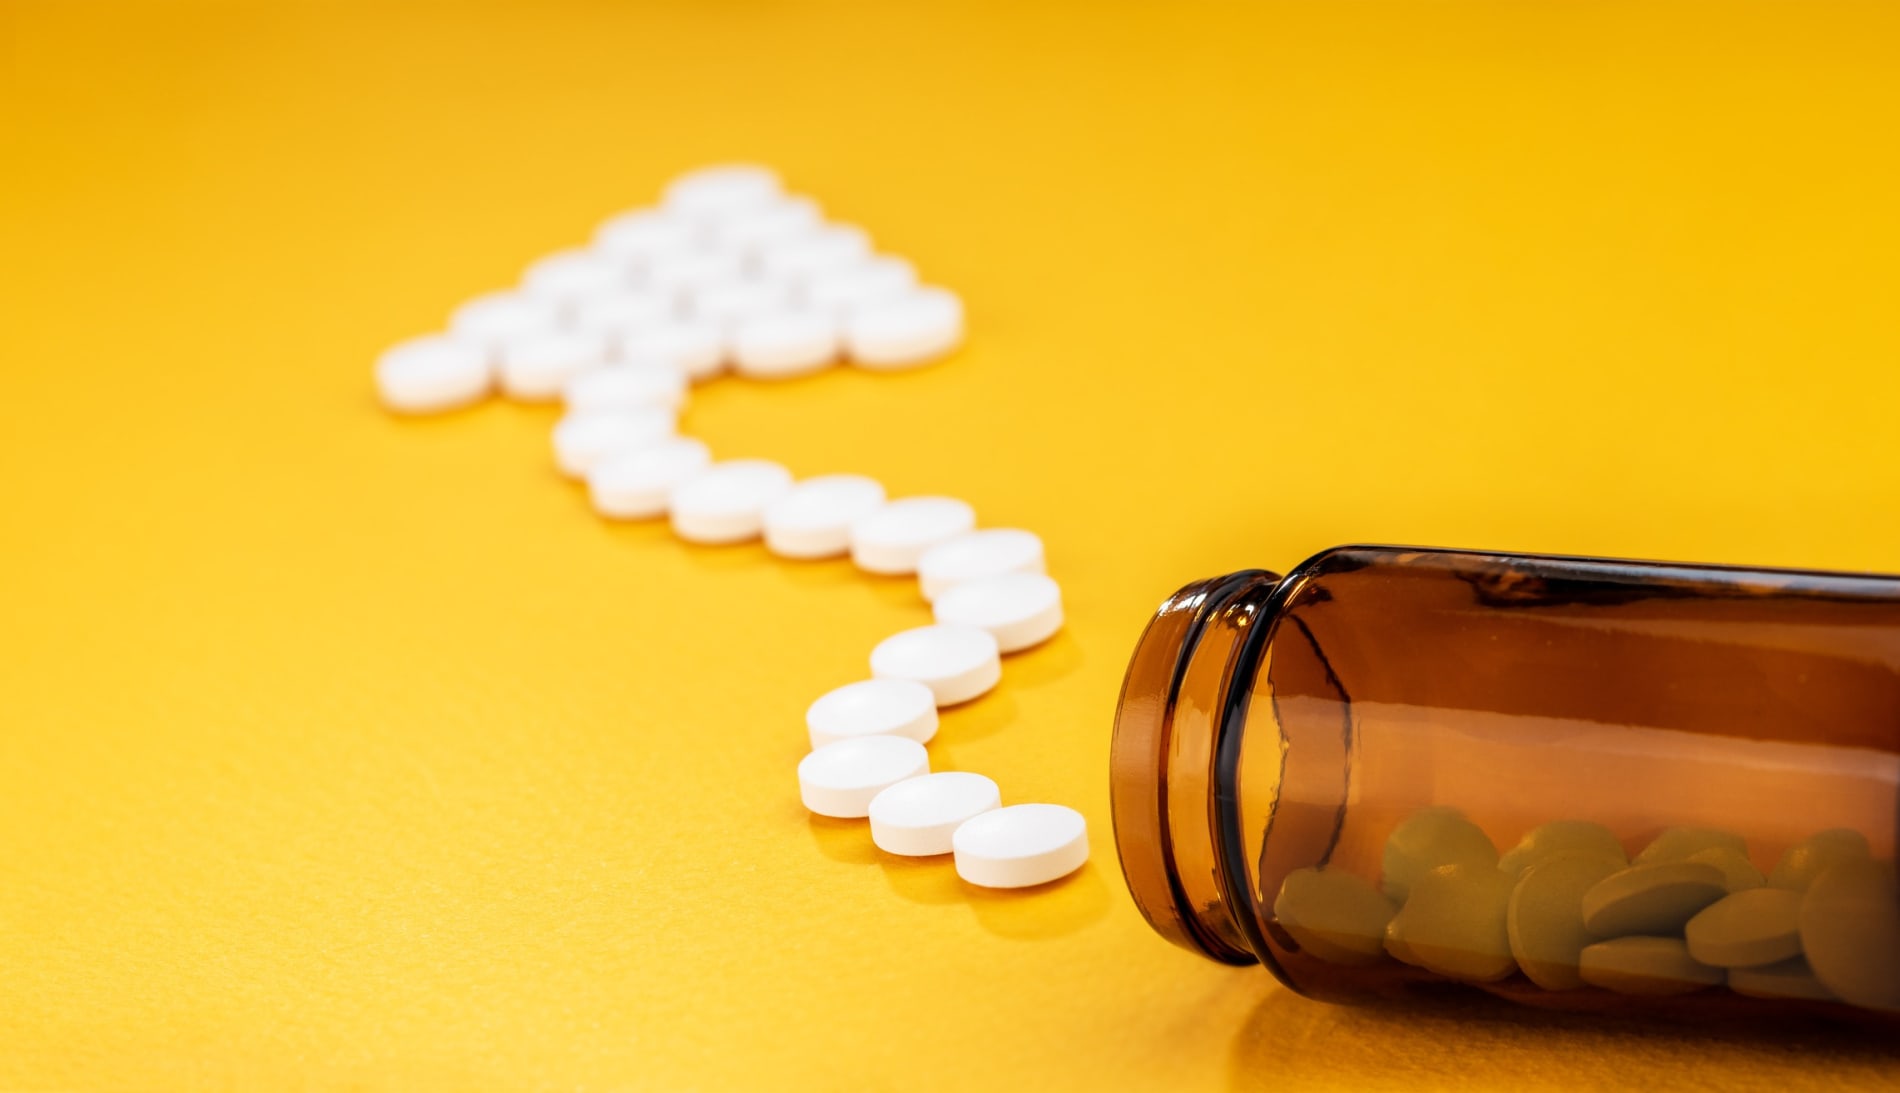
point(345, 752)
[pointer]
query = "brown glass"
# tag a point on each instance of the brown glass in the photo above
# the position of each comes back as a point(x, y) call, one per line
point(1270, 724)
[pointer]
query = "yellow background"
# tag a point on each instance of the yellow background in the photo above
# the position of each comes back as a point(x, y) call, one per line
point(343, 752)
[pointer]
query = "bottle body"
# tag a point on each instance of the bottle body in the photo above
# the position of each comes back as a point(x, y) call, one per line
point(1576, 783)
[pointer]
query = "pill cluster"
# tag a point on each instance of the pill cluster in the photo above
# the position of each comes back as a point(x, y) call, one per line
point(1568, 908)
point(730, 272)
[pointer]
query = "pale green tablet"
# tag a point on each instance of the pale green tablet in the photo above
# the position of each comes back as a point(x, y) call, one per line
point(1335, 915)
point(1787, 979)
point(1429, 838)
point(1453, 923)
point(1738, 873)
point(1811, 857)
point(1645, 965)
point(1562, 837)
point(1545, 920)
point(1396, 946)
point(1678, 843)
point(1656, 898)
point(1747, 929)
point(1850, 930)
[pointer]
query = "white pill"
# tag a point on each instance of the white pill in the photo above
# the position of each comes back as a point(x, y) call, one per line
point(430, 374)
point(814, 520)
point(893, 538)
point(582, 440)
point(1811, 857)
point(1454, 922)
point(571, 275)
point(770, 225)
point(1654, 898)
point(635, 483)
point(698, 349)
point(919, 817)
point(726, 502)
point(537, 367)
point(1562, 837)
point(685, 274)
point(1678, 843)
point(626, 387)
point(1850, 930)
point(842, 779)
point(859, 285)
point(729, 303)
point(1738, 873)
point(957, 663)
point(1545, 917)
point(784, 344)
point(911, 330)
point(1021, 845)
point(1788, 979)
point(1018, 609)
point(873, 707)
point(1758, 926)
point(1335, 915)
point(721, 191)
point(1427, 839)
point(645, 237)
point(815, 253)
point(991, 552)
point(500, 318)
point(1653, 966)
point(619, 314)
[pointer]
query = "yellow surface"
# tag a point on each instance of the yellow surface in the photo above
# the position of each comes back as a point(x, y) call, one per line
point(340, 752)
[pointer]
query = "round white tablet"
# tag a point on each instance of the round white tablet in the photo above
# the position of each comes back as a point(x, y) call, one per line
point(634, 484)
point(1454, 922)
point(1427, 839)
point(535, 368)
point(1545, 920)
point(919, 817)
point(1758, 926)
point(726, 502)
point(841, 779)
point(722, 190)
point(626, 387)
point(1021, 845)
point(991, 552)
point(1812, 856)
point(859, 285)
point(571, 275)
point(815, 253)
point(583, 439)
point(696, 271)
point(769, 225)
point(893, 538)
point(783, 344)
point(1336, 915)
point(911, 330)
point(957, 663)
point(1788, 979)
point(493, 321)
point(729, 303)
point(696, 348)
point(1562, 837)
point(1018, 609)
point(1655, 898)
point(873, 707)
point(430, 374)
point(620, 314)
point(814, 520)
point(1850, 930)
point(1645, 965)
point(646, 236)
point(1678, 843)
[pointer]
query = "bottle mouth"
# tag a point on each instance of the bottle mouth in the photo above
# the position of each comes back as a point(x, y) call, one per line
point(1162, 763)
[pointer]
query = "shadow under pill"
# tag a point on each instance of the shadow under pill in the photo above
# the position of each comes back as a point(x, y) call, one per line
point(931, 881)
point(981, 717)
point(731, 558)
point(847, 841)
point(1052, 660)
point(819, 573)
point(1056, 909)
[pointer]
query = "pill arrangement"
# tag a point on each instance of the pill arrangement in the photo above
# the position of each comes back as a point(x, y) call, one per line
point(731, 272)
point(1568, 909)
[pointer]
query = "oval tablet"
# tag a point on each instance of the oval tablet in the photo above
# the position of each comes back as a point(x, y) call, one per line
point(645, 236)
point(780, 222)
point(492, 321)
point(626, 387)
point(730, 303)
point(1427, 839)
point(683, 275)
point(847, 289)
point(988, 553)
point(430, 374)
point(1850, 930)
point(1337, 916)
point(1545, 916)
point(696, 348)
point(783, 344)
point(1811, 857)
point(1651, 966)
point(723, 190)
point(1020, 846)
point(1454, 923)
point(1562, 837)
point(1655, 898)
point(815, 253)
point(905, 332)
point(535, 367)
point(841, 779)
point(726, 502)
point(892, 539)
point(873, 707)
point(1678, 843)
point(957, 663)
point(567, 276)
point(1787, 979)
point(584, 439)
point(1738, 873)
point(620, 314)
point(1018, 609)
point(636, 483)
point(919, 817)
point(1758, 926)
point(814, 519)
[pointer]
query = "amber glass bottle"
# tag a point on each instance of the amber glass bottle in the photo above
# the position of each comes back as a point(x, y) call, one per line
point(1274, 733)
